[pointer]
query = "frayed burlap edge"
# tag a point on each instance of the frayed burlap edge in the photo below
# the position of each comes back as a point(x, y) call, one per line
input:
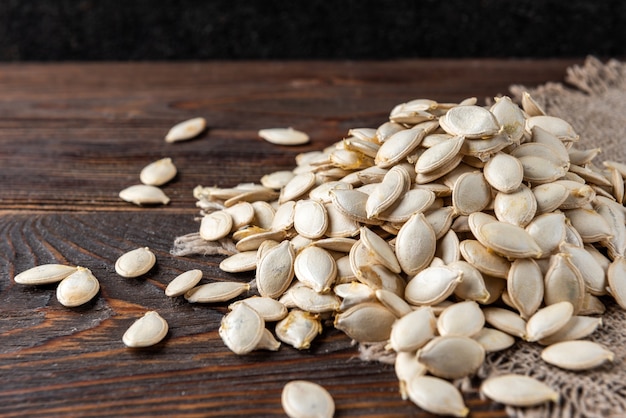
point(594, 102)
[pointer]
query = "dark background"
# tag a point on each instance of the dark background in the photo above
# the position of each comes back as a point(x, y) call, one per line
point(46, 30)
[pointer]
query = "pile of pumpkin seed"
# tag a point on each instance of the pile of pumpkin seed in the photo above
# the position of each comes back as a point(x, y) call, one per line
point(444, 234)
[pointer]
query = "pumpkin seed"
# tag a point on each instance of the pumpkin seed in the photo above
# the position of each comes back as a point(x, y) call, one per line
point(298, 329)
point(158, 172)
point(518, 390)
point(436, 395)
point(275, 270)
point(304, 399)
point(269, 309)
point(549, 320)
point(576, 328)
point(493, 340)
point(470, 121)
point(241, 329)
point(216, 292)
point(284, 136)
point(135, 263)
point(183, 283)
point(461, 319)
point(215, 225)
point(504, 172)
point(432, 285)
point(142, 194)
point(146, 331)
point(413, 330)
point(451, 357)
point(44, 274)
point(407, 367)
point(185, 130)
point(576, 355)
point(77, 288)
point(366, 322)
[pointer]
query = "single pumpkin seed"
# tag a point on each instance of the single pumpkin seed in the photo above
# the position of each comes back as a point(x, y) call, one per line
point(298, 329)
point(135, 263)
point(142, 194)
point(518, 390)
point(185, 130)
point(432, 285)
point(183, 283)
point(44, 274)
point(241, 329)
point(366, 322)
point(275, 270)
point(305, 399)
point(576, 328)
point(215, 225)
point(216, 292)
point(576, 355)
point(284, 136)
point(413, 330)
point(451, 357)
point(158, 172)
point(548, 320)
point(493, 340)
point(436, 395)
point(148, 330)
point(269, 309)
point(461, 319)
point(78, 288)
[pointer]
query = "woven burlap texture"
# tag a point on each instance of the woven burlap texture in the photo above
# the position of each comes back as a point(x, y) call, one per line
point(593, 101)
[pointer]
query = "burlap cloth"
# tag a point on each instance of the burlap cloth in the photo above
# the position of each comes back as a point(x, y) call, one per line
point(593, 101)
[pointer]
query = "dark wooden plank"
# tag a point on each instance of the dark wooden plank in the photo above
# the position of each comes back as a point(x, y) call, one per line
point(56, 361)
point(73, 135)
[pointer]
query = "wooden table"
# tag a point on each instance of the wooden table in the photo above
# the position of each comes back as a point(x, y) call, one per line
point(73, 135)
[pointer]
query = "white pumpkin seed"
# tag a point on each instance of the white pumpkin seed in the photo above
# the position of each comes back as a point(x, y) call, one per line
point(471, 193)
point(518, 390)
point(135, 263)
point(576, 355)
point(413, 330)
point(77, 288)
point(215, 225)
point(44, 274)
point(216, 292)
point(525, 286)
point(275, 270)
point(486, 261)
point(563, 282)
point(310, 218)
point(415, 244)
point(366, 322)
point(436, 395)
point(269, 309)
point(146, 331)
point(617, 284)
point(504, 172)
point(158, 172)
point(398, 146)
point(284, 136)
point(304, 399)
point(185, 130)
point(309, 300)
point(183, 283)
point(451, 357)
point(470, 121)
point(506, 321)
point(493, 340)
point(241, 329)
point(298, 329)
point(549, 320)
point(432, 285)
point(142, 194)
point(407, 367)
point(576, 328)
point(277, 180)
point(461, 319)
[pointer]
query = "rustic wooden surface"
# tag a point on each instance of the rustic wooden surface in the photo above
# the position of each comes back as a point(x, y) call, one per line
point(73, 135)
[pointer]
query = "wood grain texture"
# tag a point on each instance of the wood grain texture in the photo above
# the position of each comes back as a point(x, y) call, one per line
point(73, 135)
